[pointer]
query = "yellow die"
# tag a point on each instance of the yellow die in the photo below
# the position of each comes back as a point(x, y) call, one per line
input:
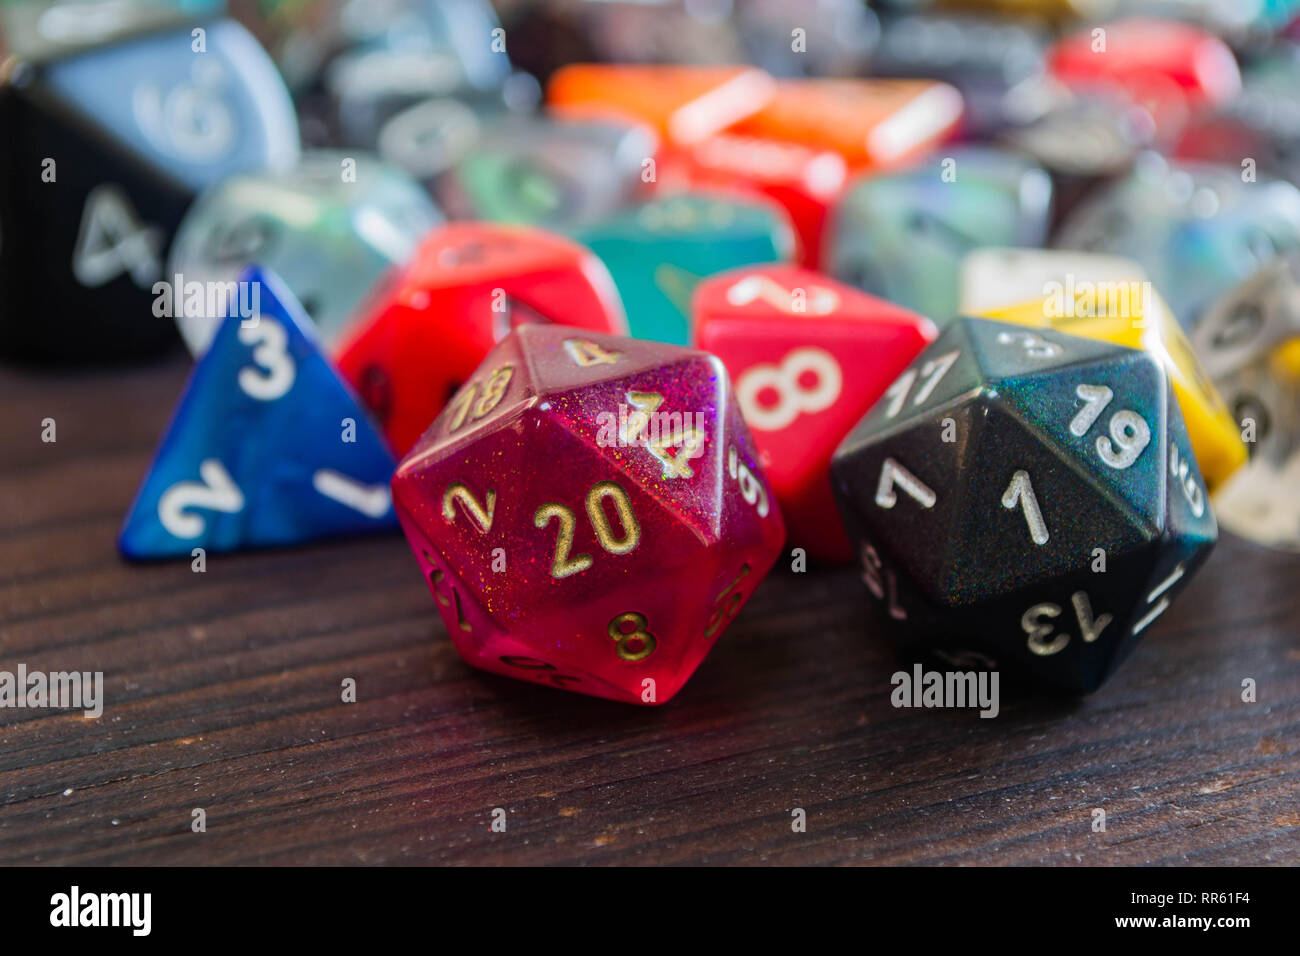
point(1285, 361)
point(1133, 314)
point(1048, 9)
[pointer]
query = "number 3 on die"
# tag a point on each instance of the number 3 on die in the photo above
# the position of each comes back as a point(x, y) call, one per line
point(274, 371)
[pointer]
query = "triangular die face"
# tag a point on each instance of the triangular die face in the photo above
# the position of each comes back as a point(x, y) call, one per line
point(1110, 416)
point(905, 488)
point(945, 372)
point(469, 625)
point(747, 491)
point(561, 358)
point(1176, 563)
point(1190, 518)
point(466, 500)
point(494, 393)
point(1186, 367)
point(907, 617)
point(1025, 515)
point(674, 618)
point(574, 533)
point(661, 426)
point(732, 581)
point(518, 312)
point(1068, 632)
point(1009, 351)
point(267, 446)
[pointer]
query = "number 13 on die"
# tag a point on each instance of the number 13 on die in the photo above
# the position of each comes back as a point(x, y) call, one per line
point(1056, 525)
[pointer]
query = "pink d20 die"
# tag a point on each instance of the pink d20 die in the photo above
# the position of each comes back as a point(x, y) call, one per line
point(589, 512)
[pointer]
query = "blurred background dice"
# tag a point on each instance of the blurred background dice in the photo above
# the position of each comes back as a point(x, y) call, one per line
point(329, 228)
point(119, 116)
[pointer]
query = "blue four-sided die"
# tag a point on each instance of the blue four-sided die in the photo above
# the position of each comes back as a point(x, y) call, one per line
point(268, 446)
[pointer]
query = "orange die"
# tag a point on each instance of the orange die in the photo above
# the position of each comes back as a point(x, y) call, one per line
point(869, 122)
point(808, 357)
point(685, 104)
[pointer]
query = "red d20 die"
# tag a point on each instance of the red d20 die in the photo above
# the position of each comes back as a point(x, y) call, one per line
point(589, 512)
point(467, 286)
point(808, 356)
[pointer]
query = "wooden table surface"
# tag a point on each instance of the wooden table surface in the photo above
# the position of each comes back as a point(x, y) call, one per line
point(223, 692)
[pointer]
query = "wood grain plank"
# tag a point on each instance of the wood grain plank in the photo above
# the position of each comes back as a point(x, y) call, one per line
point(223, 692)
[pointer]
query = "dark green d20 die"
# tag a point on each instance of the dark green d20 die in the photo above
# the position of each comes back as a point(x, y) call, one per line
point(1041, 508)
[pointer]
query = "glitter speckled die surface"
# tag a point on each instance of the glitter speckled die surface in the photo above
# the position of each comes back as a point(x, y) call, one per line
point(589, 513)
point(1051, 529)
point(1147, 323)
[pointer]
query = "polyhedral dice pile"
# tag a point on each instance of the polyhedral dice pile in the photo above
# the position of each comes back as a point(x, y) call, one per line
point(614, 307)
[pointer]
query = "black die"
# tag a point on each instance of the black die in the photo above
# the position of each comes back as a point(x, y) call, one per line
point(113, 132)
point(1028, 496)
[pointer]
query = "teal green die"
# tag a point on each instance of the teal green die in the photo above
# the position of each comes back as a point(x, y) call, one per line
point(658, 251)
point(903, 235)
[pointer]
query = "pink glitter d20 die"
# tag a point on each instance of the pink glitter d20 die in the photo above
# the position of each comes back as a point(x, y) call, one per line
point(589, 512)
